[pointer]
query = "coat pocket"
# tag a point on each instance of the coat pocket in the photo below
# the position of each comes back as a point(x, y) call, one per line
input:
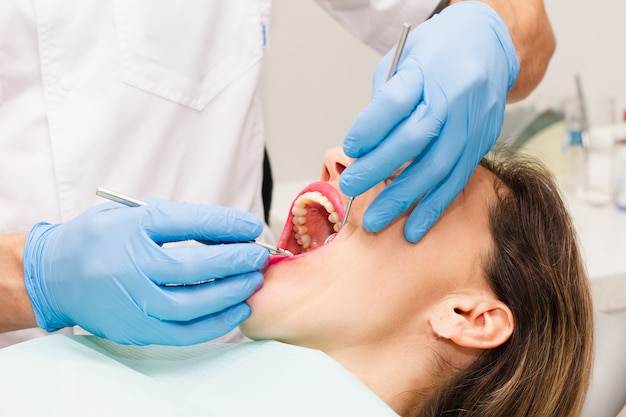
point(188, 51)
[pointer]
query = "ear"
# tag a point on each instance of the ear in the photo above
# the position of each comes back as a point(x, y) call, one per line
point(475, 320)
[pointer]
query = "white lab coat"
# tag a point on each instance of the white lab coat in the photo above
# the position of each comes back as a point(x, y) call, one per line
point(147, 97)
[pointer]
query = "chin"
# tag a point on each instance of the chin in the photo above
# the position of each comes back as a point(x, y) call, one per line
point(248, 330)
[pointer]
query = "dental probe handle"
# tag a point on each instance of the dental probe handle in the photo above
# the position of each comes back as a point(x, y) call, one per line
point(404, 34)
point(119, 197)
point(133, 202)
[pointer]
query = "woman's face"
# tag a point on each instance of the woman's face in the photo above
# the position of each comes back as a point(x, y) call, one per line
point(364, 287)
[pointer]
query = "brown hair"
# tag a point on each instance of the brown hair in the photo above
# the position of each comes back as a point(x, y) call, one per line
point(536, 269)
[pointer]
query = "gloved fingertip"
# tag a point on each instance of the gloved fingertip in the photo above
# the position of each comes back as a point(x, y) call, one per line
point(243, 225)
point(414, 235)
point(256, 281)
point(262, 259)
point(252, 227)
point(372, 228)
point(419, 223)
point(238, 313)
point(351, 147)
point(376, 221)
point(249, 283)
point(345, 184)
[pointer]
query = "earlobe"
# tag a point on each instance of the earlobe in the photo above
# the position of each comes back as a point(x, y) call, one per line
point(473, 321)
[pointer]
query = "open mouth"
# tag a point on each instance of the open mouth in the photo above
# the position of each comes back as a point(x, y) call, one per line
point(315, 217)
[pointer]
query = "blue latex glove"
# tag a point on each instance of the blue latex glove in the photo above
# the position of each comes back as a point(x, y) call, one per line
point(106, 271)
point(442, 110)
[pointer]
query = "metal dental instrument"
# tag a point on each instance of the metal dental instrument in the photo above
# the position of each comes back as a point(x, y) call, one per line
point(133, 202)
point(119, 197)
point(274, 250)
point(406, 28)
point(345, 213)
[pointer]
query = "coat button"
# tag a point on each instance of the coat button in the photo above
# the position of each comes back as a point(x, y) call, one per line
point(66, 83)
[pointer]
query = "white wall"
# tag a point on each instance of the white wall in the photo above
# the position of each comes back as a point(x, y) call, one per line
point(591, 40)
point(317, 76)
point(317, 79)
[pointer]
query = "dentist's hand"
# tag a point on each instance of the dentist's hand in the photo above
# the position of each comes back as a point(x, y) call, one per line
point(442, 110)
point(107, 272)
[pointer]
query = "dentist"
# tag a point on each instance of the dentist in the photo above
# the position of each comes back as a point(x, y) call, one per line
point(154, 97)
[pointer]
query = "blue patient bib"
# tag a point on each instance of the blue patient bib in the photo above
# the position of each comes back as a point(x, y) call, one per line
point(61, 375)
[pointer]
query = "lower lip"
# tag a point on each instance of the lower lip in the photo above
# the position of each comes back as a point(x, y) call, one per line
point(276, 259)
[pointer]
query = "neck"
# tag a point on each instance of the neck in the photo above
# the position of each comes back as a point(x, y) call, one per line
point(400, 372)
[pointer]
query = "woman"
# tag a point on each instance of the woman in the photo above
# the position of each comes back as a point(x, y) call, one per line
point(488, 315)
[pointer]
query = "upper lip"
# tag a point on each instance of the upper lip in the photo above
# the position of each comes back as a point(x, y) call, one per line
point(287, 239)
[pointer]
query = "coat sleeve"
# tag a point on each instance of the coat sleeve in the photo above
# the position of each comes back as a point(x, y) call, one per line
point(378, 22)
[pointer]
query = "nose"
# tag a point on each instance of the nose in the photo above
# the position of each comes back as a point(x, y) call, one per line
point(335, 161)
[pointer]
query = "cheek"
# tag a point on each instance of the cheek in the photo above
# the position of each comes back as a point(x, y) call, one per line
point(452, 251)
point(384, 273)
point(415, 274)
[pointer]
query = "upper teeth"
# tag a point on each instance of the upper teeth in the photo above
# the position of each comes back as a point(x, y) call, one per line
point(300, 211)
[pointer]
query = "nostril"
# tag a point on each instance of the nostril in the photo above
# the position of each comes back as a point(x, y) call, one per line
point(325, 175)
point(339, 168)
